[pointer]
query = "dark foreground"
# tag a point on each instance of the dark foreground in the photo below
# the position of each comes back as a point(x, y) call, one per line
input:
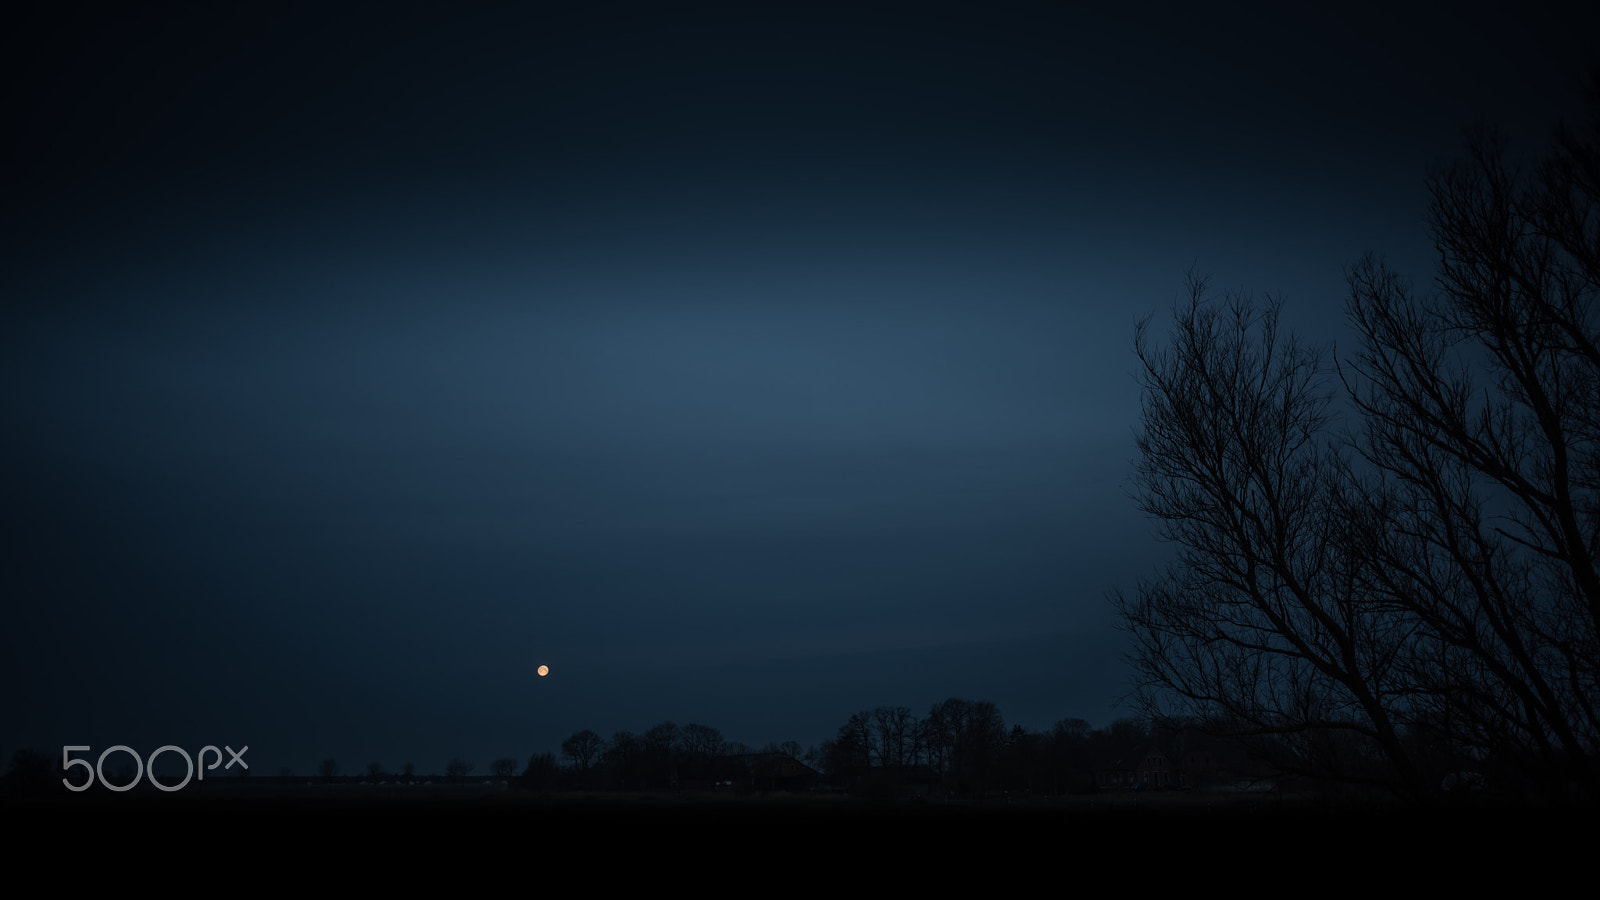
point(1193, 812)
point(402, 836)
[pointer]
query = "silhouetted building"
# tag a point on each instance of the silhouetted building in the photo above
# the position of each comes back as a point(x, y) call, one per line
point(774, 772)
point(887, 781)
point(1155, 770)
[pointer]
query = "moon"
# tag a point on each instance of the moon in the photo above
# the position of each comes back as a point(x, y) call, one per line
point(543, 671)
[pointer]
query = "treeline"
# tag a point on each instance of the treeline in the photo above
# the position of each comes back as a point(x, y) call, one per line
point(664, 756)
point(959, 748)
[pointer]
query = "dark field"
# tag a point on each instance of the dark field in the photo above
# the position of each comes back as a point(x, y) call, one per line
point(395, 836)
point(479, 802)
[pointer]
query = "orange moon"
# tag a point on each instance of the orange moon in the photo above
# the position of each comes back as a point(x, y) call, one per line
point(543, 671)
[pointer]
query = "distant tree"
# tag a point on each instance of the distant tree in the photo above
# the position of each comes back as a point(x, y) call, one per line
point(622, 761)
point(542, 772)
point(328, 769)
point(457, 768)
point(374, 770)
point(1024, 761)
point(979, 743)
point(657, 747)
point(409, 770)
point(851, 748)
point(123, 771)
point(817, 755)
point(1069, 764)
point(789, 748)
point(963, 740)
point(661, 737)
point(893, 733)
point(583, 749)
point(1073, 728)
point(33, 774)
point(1126, 739)
point(939, 731)
point(503, 768)
point(702, 742)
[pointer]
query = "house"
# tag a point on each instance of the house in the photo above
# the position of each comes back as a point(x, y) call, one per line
point(1154, 770)
point(766, 772)
point(888, 781)
point(1120, 776)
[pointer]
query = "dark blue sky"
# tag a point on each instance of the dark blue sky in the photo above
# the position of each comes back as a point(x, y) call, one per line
point(748, 364)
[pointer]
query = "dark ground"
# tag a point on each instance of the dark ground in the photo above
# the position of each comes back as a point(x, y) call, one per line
point(1113, 810)
point(464, 835)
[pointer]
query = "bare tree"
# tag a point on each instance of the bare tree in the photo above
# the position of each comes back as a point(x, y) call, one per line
point(979, 741)
point(458, 768)
point(583, 749)
point(503, 768)
point(328, 768)
point(1482, 405)
point(657, 745)
point(1423, 585)
point(541, 773)
point(702, 742)
point(623, 759)
point(33, 774)
point(893, 728)
point(1258, 626)
point(938, 732)
point(852, 746)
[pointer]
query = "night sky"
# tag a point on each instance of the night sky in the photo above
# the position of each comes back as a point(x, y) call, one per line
point(748, 364)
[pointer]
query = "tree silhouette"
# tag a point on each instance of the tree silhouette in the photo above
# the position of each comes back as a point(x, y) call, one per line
point(939, 730)
point(32, 774)
point(541, 773)
point(702, 742)
point(851, 748)
point(1356, 601)
point(657, 746)
point(1482, 406)
point(980, 738)
point(623, 759)
point(893, 730)
point(1260, 623)
point(583, 748)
